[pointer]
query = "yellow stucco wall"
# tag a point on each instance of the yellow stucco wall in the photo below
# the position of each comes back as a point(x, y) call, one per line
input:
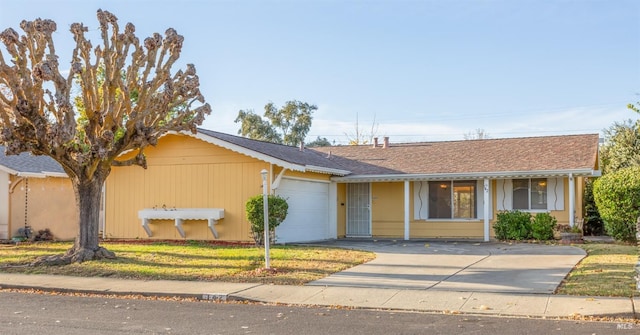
point(387, 214)
point(50, 203)
point(183, 172)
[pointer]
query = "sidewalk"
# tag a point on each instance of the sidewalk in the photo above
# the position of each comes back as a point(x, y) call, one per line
point(433, 300)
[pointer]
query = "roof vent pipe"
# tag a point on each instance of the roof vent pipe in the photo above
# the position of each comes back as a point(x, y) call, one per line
point(375, 142)
point(386, 142)
point(301, 145)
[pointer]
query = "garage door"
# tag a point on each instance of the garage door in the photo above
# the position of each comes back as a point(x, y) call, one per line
point(308, 218)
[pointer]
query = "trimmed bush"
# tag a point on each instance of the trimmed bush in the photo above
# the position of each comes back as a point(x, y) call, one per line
point(617, 197)
point(513, 225)
point(542, 226)
point(278, 210)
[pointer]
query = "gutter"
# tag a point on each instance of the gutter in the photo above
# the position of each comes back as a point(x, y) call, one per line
point(458, 176)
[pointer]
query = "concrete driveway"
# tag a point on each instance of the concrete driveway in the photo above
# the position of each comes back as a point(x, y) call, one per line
point(458, 266)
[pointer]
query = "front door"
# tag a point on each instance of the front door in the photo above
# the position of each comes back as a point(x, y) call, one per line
point(358, 210)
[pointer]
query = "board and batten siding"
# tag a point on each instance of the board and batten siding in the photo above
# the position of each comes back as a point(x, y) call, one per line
point(183, 172)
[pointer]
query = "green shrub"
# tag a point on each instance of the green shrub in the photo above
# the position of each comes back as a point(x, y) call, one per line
point(542, 226)
point(278, 210)
point(617, 196)
point(513, 225)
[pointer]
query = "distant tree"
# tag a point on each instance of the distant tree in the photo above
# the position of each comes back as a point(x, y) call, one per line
point(478, 134)
point(361, 136)
point(319, 142)
point(288, 125)
point(621, 146)
point(127, 99)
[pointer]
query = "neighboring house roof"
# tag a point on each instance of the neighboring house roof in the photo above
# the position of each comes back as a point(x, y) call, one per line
point(283, 155)
point(28, 165)
point(496, 158)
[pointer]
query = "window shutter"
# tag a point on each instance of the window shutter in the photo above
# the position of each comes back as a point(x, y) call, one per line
point(420, 200)
point(504, 193)
point(555, 194)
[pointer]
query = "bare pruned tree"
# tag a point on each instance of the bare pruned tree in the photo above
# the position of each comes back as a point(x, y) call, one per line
point(478, 134)
point(128, 98)
point(361, 136)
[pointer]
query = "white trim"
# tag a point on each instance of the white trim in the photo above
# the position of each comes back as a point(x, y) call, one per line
point(325, 170)
point(572, 200)
point(42, 174)
point(276, 183)
point(485, 205)
point(474, 176)
point(5, 184)
point(406, 210)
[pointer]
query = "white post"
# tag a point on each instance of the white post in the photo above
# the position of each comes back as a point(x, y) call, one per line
point(572, 200)
point(265, 205)
point(406, 211)
point(486, 209)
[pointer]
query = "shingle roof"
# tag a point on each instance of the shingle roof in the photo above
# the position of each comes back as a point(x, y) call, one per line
point(29, 164)
point(290, 154)
point(510, 155)
point(550, 153)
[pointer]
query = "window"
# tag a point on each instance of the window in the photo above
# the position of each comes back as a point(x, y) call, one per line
point(452, 199)
point(530, 194)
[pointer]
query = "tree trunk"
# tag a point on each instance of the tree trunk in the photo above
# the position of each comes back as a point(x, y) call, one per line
point(88, 200)
point(86, 247)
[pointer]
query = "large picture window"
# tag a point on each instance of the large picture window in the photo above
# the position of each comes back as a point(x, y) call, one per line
point(530, 194)
point(452, 199)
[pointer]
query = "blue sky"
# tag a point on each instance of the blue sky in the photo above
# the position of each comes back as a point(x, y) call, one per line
point(427, 70)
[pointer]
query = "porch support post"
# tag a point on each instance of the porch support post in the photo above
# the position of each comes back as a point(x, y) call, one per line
point(572, 200)
point(486, 209)
point(406, 210)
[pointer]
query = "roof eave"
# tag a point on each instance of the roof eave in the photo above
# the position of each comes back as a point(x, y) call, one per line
point(42, 174)
point(477, 175)
point(326, 170)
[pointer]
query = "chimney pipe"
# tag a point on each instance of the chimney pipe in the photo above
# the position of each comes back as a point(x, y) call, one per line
point(301, 145)
point(386, 142)
point(375, 142)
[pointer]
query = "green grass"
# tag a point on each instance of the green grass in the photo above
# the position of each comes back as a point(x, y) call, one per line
point(191, 261)
point(608, 270)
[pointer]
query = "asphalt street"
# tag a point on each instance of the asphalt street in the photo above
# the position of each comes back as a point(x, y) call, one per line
point(26, 313)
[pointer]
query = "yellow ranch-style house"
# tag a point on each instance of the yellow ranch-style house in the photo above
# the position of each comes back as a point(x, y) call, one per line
point(196, 186)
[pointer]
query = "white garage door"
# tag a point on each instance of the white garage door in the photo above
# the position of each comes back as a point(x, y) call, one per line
point(308, 218)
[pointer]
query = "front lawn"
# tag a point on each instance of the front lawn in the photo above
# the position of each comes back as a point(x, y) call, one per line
point(295, 265)
point(608, 270)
